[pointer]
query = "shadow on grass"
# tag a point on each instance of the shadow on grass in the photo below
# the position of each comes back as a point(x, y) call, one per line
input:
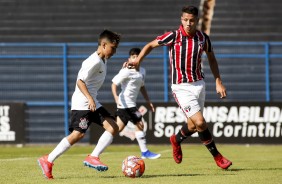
point(255, 169)
point(171, 175)
point(154, 175)
point(157, 175)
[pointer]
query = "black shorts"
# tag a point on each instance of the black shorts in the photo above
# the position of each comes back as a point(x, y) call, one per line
point(129, 114)
point(81, 119)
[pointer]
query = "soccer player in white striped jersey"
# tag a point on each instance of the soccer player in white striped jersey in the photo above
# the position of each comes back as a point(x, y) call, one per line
point(132, 81)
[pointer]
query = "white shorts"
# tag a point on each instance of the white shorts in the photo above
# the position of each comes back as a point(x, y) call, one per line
point(190, 96)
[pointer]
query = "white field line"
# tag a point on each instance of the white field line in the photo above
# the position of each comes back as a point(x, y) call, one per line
point(16, 159)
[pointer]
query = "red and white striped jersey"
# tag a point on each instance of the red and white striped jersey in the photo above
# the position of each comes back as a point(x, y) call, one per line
point(185, 54)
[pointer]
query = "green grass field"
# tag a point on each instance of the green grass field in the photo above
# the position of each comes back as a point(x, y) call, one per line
point(255, 164)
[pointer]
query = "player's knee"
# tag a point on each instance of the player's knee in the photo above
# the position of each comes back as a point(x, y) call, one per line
point(192, 127)
point(201, 126)
point(80, 136)
point(115, 129)
point(140, 126)
point(75, 136)
point(120, 128)
point(111, 126)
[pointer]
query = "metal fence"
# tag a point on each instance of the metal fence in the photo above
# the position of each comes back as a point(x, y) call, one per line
point(43, 74)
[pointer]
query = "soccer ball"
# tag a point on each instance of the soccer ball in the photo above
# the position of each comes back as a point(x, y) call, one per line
point(133, 166)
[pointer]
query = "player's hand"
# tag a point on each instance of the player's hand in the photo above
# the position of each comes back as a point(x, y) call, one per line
point(117, 102)
point(133, 64)
point(125, 64)
point(221, 90)
point(91, 105)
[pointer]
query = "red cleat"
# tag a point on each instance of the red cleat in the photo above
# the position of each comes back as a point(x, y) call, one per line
point(46, 167)
point(95, 163)
point(222, 162)
point(176, 149)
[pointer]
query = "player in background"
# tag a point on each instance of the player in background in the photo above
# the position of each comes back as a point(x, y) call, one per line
point(86, 109)
point(186, 45)
point(132, 81)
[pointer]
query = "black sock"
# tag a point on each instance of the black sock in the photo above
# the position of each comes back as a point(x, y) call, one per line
point(207, 140)
point(183, 133)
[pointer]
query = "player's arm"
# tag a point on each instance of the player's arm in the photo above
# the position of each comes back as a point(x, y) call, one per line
point(115, 93)
point(116, 81)
point(162, 40)
point(146, 97)
point(144, 52)
point(83, 88)
point(220, 88)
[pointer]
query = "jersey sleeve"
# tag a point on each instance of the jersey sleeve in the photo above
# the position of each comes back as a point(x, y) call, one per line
point(166, 39)
point(121, 76)
point(88, 66)
point(208, 45)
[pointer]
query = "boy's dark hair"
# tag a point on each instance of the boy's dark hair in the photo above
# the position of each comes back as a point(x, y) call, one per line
point(109, 35)
point(191, 10)
point(134, 51)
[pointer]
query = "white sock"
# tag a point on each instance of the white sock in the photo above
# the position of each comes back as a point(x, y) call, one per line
point(63, 146)
point(105, 140)
point(140, 136)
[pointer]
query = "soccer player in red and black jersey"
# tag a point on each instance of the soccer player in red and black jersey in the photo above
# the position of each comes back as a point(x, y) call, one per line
point(186, 46)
